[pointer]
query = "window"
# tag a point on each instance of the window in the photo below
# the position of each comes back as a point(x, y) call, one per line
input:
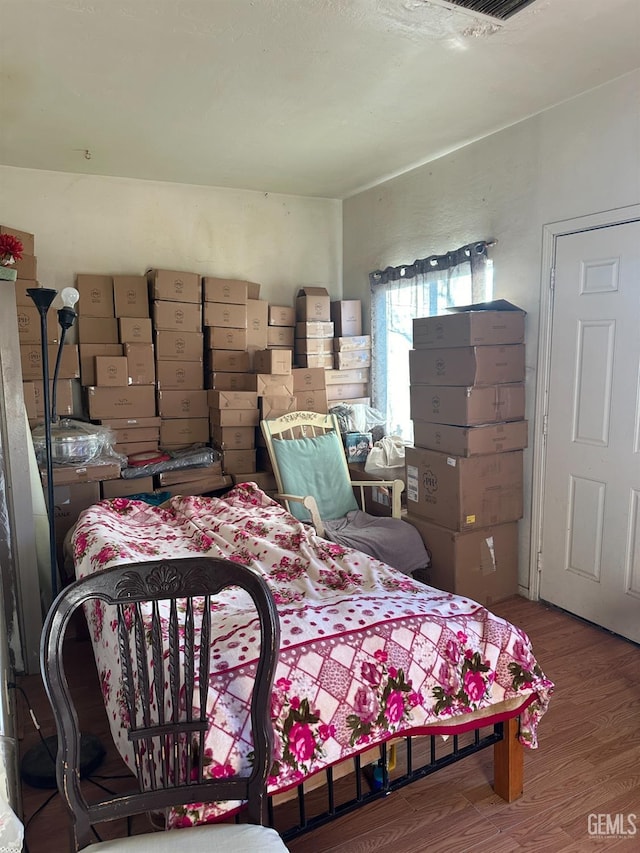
point(422, 289)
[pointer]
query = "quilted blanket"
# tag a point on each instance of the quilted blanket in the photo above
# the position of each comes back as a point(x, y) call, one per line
point(366, 652)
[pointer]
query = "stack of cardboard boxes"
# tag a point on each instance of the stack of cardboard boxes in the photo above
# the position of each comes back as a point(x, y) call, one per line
point(314, 328)
point(464, 474)
point(282, 327)
point(348, 381)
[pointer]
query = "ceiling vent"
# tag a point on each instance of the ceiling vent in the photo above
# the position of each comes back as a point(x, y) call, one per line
point(501, 9)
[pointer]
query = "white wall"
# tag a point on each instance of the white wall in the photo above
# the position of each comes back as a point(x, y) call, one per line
point(578, 158)
point(93, 224)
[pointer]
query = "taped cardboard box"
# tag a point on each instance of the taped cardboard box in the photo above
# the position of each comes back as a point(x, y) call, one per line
point(274, 384)
point(486, 365)
point(282, 315)
point(88, 353)
point(238, 461)
point(96, 295)
point(225, 315)
point(131, 422)
point(217, 337)
point(214, 483)
point(31, 361)
point(312, 401)
point(184, 431)
point(27, 267)
point(471, 441)
point(182, 404)
point(357, 342)
point(68, 502)
point(272, 361)
point(176, 316)
point(497, 322)
point(313, 346)
point(313, 303)
point(141, 361)
point(130, 296)
point(233, 438)
point(352, 359)
point(227, 361)
point(112, 371)
point(234, 417)
point(320, 360)
point(170, 478)
point(65, 475)
point(22, 297)
point(136, 434)
point(136, 401)
point(179, 374)
point(309, 379)
point(135, 330)
point(231, 290)
point(276, 406)
point(314, 329)
point(346, 315)
point(178, 346)
point(29, 331)
point(223, 381)
point(97, 330)
point(349, 376)
point(461, 405)
point(125, 488)
point(174, 286)
point(281, 336)
point(232, 399)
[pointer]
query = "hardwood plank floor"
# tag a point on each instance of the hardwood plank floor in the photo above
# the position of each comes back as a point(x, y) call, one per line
point(588, 762)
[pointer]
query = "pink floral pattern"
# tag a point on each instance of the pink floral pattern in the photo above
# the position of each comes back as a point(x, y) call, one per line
point(366, 653)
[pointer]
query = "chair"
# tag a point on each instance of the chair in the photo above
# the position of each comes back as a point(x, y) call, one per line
point(314, 483)
point(177, 729)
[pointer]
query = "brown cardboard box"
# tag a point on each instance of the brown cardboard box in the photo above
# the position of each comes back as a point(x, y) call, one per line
point(274, 384)
point(178, 346)
point(238, 461)
point(228, 361)
point(345, 377)
point(464, 493)
point(234, 417)
point(135, 330)
point(282, 315)
point(217, 337)
point(321, 360)
point(97, 330)
point(471, 441)
point(312, 401)
point(352, 359)
point(177, 316)
point(225, 290)
point(31, 361)
point(112, 371)
point(253, 291)
point(182, 404)
point(29, 397)
point(27, 267)
point(142, 367)
point(214, 483)
point(280, 336)
point(233, 438)
point(222, 381)
point(356, 342)
point(232, 399)
point(264, 480)
point(130, 296)
point(498, 322)
point(26, 238)
point(135, 434)
point(22, 297)
point(344, 392)
point(478, 564)
point(96, 295)
point(131, 423)
point(257, 325)
point(170, 478)
point(311, 379)
point(224, 314)
point(179, 375)
point(131, 448)
point(29, 325)
point(136, 401)
point(467, 406)
point(313, 346)
point(174, 286)
point(347, 317)
point(92, 472)
point(313, 303)
point(88, 353)
point(184, 431)
point(314, 329)
point(485, 365)
point(272, 361)
point(275, 407)
point(68, 503)
point(125, 488)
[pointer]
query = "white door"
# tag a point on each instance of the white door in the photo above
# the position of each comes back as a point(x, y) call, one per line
point(590, 562)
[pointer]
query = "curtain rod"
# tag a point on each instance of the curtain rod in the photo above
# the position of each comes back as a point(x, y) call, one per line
point(470, 252)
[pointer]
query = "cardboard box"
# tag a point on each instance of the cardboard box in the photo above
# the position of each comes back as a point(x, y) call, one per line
point(214, 483)
point(136, 401)
point(217, 337)
point(184, 431)
point(129, 423)
point(233, 438)
point(135, 434)
point(112, 371)
point(177, 316)
point(313, 303)
point(485, 365)
point(68, 503)
point(228, 361)
point(357, 342)
point(130, 296)
point(253, 290)
point(257, 325)
point(346, 377)
point(132, 448)
point(178, 346)
point(224, 314)
point(92, 472)
point(22, 297)
point(27, 267)
point(357, 446)
point(314, 329)
point(180, 375)
point(467, 406)
point(464, 493)
point(471, 441)
point(142, 366)
point(222, 381)
point(182, 404)
point(26, 238)
point(272, 361)
point(174, 286)
point(324, 360)
point(170, 478)
point(234, 417)
point(238, 461)
point(88, 353)
point(347, 317)
point(344, 392)
point(225, 290)
point(264, 480)
point(31, 361)
point(97, 330)
point(274, 384)
point(232, 399)
point(311, 379)
point(28, 318)
point(135, 330)
point(352, 359)
point(313, 346)
point(312, 401)
point(275, 407)
point(282, 315)
point(125, 488)
point(96, 295)
point(498, 322)
point(479, 564)
point(280, 336)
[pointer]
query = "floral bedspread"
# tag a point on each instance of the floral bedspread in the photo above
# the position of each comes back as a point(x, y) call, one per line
point(366, 653)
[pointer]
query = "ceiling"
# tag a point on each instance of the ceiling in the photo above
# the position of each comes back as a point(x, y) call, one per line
point(307, 97)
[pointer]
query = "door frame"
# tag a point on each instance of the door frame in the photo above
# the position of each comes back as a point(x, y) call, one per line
point(550, 234)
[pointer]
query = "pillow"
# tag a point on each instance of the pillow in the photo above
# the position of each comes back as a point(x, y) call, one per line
point(315, 466)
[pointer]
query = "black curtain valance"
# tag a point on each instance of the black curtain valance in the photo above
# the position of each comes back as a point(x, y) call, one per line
point(465, 254)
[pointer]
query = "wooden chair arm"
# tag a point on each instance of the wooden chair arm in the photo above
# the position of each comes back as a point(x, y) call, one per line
point(310, 504)
point(395, 488)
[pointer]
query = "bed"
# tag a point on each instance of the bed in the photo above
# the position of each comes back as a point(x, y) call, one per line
point(367, 656)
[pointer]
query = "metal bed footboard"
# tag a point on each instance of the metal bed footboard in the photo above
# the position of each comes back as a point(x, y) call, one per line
point(368, 787)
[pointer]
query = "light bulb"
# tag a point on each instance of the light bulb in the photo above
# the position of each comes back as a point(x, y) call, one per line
point(69, 297)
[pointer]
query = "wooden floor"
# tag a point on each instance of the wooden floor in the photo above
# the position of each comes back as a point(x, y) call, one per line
point(588, 762)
